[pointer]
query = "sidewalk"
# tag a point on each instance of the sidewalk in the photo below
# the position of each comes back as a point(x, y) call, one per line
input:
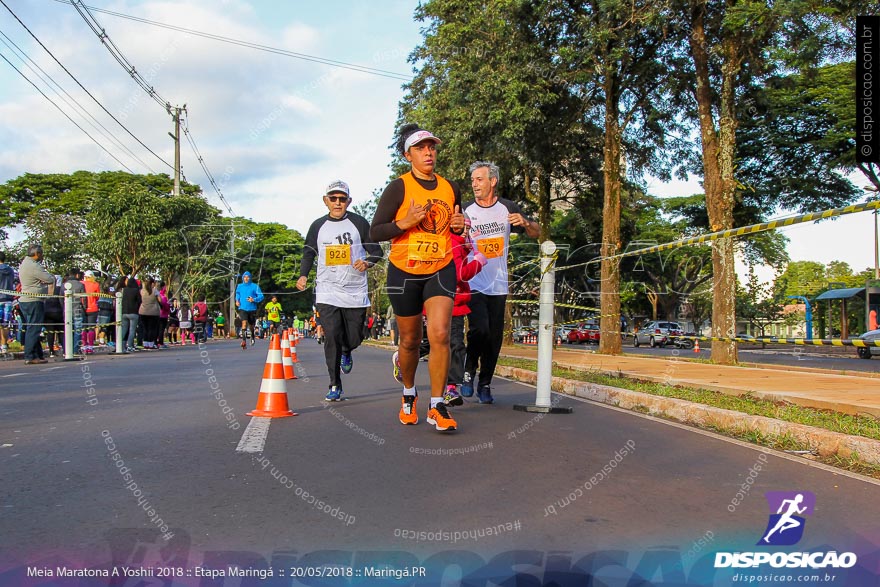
point(849, 394)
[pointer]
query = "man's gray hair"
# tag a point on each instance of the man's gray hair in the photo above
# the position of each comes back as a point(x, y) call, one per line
point(493, 169)
point(34, 249)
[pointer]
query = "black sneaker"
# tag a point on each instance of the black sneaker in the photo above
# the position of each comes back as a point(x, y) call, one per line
point(485, 394)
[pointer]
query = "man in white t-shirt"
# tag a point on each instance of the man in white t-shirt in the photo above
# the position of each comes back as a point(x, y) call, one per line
point(344, 250)
point(492, 219)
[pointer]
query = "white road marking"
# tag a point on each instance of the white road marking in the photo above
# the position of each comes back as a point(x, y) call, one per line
point(14, 375)
point(254, 437)
point(51, 368)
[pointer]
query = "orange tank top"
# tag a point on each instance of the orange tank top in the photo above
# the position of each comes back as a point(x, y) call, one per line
point(425, 248)
point(92, 301)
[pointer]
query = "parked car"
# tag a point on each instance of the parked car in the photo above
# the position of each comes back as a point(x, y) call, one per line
point(562, 331)
point(520, 334)
point(657, 333)
point(585, 333)
point(868, 352)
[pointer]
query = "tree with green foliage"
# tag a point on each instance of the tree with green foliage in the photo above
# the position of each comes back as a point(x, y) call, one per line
point(795, 141)
point(675, 274)
point(136, 230)
point(614, 50)
point(73, 193)
point(730, 47)
point(803, 278)
point(490, 85)
point(759, 304)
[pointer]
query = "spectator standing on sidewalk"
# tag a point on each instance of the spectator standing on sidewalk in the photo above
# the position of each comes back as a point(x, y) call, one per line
point(7, 282)
point(90, 323)
point(392, 326)
point(186, 324)
point(200, 314)
point(107, 314)
point(149, 312)
point(34, 279)
point(173, 321)
point(79, 306)
point(131, 303)
point(54, 317)
point(164, 311)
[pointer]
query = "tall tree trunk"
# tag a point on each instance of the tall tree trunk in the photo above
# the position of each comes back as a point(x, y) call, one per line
point(719, 184)
point(609, 322)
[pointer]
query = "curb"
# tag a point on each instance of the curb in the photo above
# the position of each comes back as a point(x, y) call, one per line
point(824, 442)
point(837, 405)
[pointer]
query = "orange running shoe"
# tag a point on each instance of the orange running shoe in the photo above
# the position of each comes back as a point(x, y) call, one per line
point(408, 414)
point(440, 418)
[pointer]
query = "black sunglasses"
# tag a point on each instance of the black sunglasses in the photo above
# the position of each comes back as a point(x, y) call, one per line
point(335, 199)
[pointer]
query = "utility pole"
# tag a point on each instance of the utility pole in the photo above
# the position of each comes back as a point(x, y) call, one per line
point(175, 115)
point(232, 277)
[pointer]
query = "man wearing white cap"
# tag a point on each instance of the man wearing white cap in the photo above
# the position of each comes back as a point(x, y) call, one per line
point(341, 243)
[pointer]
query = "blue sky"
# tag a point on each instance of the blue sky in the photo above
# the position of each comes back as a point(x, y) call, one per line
point(273, 130)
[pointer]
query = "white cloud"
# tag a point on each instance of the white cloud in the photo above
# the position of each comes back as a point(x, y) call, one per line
point(300, 105)
point(299, 38)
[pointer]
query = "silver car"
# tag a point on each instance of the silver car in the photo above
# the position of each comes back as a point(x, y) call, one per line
point(656, 333)
point(868, 352)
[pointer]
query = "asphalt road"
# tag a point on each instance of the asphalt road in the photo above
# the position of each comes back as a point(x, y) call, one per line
point(546, 500)
point(783, 355)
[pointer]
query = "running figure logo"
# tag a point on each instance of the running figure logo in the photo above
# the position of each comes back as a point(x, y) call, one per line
point(786, 525)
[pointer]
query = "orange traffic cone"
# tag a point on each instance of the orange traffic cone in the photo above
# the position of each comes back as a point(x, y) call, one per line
point(272, 401)
point(286, 361)
point(696, 346)
point(293, 341)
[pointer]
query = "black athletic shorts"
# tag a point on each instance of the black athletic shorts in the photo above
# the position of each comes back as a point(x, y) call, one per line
point(250, 317)
point(408, 292)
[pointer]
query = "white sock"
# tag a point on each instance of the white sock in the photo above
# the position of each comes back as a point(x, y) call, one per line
point(435, 401)
point(409, 390)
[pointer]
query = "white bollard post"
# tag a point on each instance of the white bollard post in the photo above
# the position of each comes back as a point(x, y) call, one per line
point(545, 324)
point(545, 335)
point(119, 347)
point(68, 322)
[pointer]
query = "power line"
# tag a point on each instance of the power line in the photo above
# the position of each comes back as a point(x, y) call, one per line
point(252, 45)
point(69, 100)
point(201, 160)
point(117, 54)
point(65, 113)
point(73, 77)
